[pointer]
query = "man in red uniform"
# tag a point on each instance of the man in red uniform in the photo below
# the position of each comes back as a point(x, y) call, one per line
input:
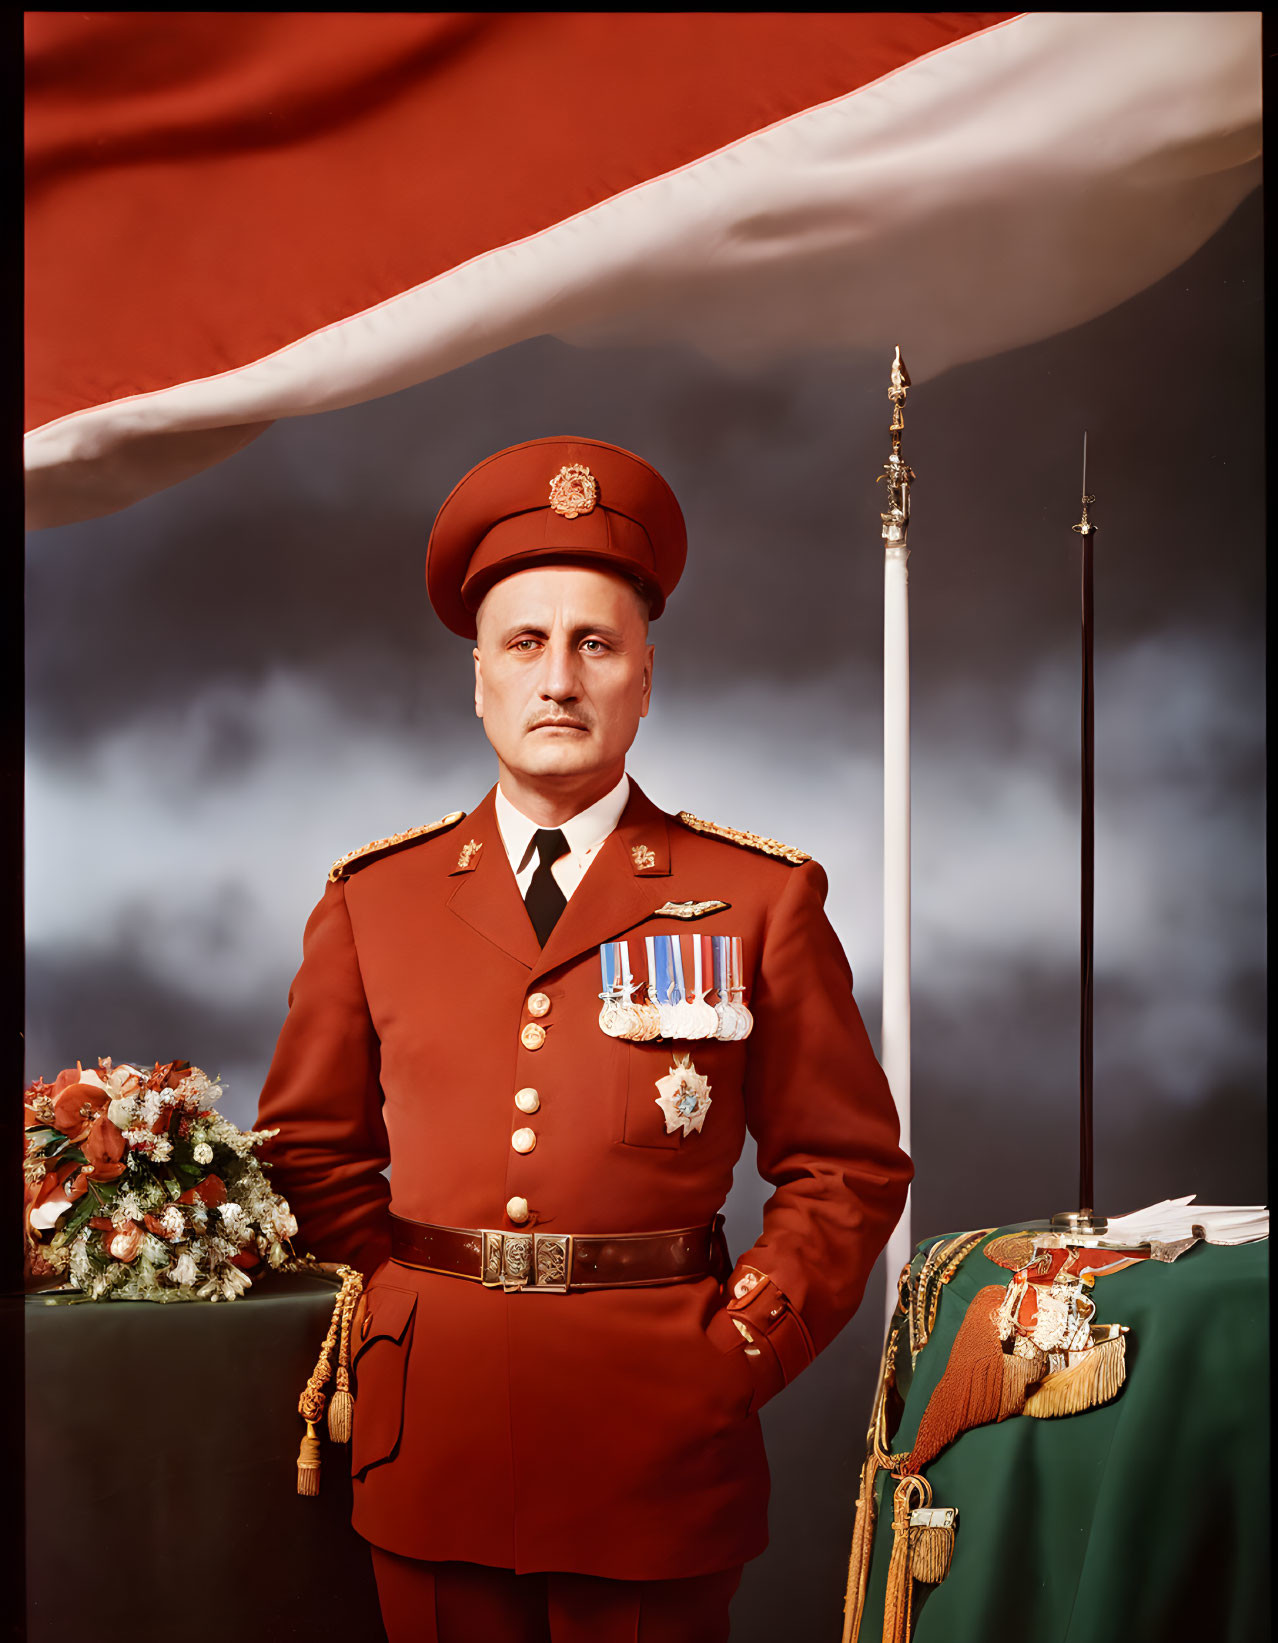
point(558, 1369)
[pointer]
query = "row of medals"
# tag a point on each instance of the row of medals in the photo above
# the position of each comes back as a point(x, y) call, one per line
point(695, 1017)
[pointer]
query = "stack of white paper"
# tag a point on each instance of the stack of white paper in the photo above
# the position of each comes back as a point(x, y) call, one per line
point(1179, 1218)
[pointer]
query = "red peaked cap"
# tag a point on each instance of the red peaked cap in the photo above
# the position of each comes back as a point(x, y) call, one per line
point(513, 509)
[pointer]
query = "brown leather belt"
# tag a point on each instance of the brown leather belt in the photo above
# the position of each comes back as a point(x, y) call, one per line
point(556, 1262)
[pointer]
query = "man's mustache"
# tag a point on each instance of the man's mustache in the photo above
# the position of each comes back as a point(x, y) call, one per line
point(576, 719)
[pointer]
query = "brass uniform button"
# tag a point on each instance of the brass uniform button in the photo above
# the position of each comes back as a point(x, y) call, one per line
point(527, 1100)
point(538, 1004)
point(517, 1209)
point(524, 1140)
point(533, 1036)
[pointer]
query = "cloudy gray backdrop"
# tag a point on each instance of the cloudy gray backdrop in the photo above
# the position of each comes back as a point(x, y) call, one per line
point(237, 681)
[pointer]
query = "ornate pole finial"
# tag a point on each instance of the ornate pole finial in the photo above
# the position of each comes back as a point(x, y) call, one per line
point(1085, 526)
point(897, 472)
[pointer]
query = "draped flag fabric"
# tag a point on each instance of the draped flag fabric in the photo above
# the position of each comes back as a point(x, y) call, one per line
point(239, 216)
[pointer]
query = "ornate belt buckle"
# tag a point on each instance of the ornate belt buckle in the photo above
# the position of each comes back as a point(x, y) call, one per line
point(552, 1263)
point(506, 1260)
point(512, 1261)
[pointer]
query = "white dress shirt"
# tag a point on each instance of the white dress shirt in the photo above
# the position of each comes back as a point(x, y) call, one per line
point(584, 833)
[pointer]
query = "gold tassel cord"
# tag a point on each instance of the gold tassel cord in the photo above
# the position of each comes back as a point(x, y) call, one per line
point(898, 1602)
point(308, 1463)
point(310, 1406)
point(877, 1459)
point(862, 1547)
point(341, 1407)
point(1097, 1377)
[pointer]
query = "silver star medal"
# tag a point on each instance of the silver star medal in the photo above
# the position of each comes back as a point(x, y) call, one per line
point(685, 1095)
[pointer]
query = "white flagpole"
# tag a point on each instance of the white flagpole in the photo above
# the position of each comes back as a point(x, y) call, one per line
point(895, 1035)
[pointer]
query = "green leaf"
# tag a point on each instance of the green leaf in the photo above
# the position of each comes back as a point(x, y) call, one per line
point(79, 1215)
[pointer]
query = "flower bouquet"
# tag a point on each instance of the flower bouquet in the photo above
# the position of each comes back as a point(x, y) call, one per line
point(137, 1190)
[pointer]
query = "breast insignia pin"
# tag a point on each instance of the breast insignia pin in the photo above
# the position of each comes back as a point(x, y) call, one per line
point(469, 851)
point(685, 1095)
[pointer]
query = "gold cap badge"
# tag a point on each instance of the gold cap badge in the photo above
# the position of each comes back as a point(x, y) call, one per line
point(573, 490)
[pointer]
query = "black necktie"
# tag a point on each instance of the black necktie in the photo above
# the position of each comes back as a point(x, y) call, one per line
point(545, 900)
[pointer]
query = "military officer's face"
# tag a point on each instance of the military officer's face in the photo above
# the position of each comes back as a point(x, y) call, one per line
point(563, 670)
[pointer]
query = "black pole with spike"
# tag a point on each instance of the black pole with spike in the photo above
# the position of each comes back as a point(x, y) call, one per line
point(1084, 1221)
point(1087, 873)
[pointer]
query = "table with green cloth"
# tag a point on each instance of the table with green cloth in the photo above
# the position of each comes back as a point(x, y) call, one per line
point(1145, 1520)
point(161, 1473)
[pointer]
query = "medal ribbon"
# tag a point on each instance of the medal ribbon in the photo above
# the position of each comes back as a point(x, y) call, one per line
point(660, 968)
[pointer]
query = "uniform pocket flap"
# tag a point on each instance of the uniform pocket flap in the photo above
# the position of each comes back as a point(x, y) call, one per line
point(387, 1314)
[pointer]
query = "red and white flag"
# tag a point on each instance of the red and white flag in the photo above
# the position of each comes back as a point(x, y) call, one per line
point(239, 216)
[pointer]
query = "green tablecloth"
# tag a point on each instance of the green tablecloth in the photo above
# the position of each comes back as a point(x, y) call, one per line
point(161, 1493)
point(1144, 1521)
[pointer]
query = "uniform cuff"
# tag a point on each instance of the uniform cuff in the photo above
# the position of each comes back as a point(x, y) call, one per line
point(770, 1322)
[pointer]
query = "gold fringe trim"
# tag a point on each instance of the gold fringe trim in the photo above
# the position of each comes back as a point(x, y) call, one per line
point(751, 841)
point(931, 1553)
point(341, 1415)
point(1095, 1379)
point(1019, 1374)
point(308, 1463)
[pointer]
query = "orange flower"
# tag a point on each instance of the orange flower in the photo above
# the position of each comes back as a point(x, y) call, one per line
point(125, 1244)
point(48, 1196)
point(70, 1104)
point(104, 1147)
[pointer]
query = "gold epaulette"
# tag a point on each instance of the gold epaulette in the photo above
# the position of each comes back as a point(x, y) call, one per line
point(378, 847)
point(751, 841)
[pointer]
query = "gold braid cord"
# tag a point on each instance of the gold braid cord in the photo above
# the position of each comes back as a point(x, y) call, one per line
point(310, 1406)
point(919, 1554)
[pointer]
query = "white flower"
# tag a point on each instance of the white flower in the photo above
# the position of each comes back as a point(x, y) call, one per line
point(152, 1101)
point(202, 1153)
point(163, 1150)
point(199, 1214)
point(185, 1270)
point(122, 1110)
point(283, 1222)
point(235, 1282)
point(233, 1219)
point(172, 1220)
